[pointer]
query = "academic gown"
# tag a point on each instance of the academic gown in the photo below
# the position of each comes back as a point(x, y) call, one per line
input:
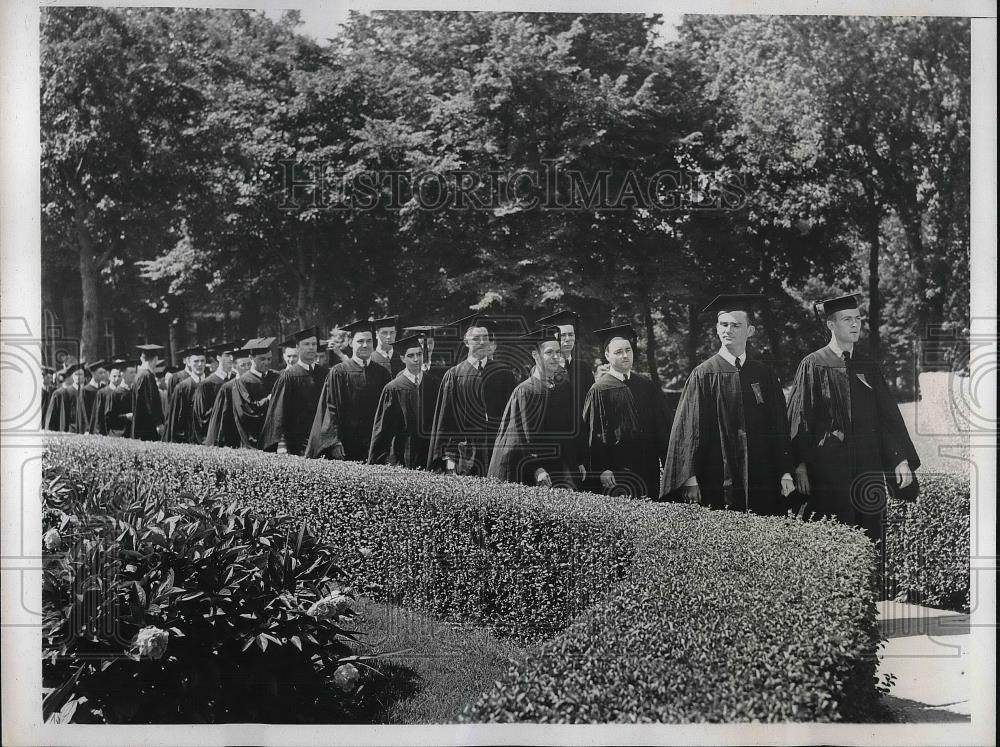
point(66, 412)
point(625, 426)
point(346, 410)
point(846, 427)
point(202, 405)
point(730, 432)
point(393, 365)
point(97, 421)
point(404, 418)
point(222, 421)
point(179, 413)
point(89, 393)
point(292, 408)
point(176, 379)
point(467, 416)
point(147, 408)
point(580, 379)
point(538, 430)
point(46, 396)
point(248, 398)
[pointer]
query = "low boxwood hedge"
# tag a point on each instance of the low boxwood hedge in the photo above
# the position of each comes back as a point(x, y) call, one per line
point(648, 612)
point(927, 544)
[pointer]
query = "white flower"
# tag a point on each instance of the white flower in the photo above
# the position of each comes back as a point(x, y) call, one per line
point(331, 607)
point(152, 642)
point(366, 552)
point(346, 677)
point(52, 539)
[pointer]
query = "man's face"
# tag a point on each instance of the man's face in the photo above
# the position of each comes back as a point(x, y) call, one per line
point(477, 340)
point(414, 359)
point(322, 358)
point(101, 376)
point(115, 377)
point(243, 364)
point(290, 356)
point(567, 336)
point(845, 325)
point(78, 377)
point(225, 362)
point(361, 345)
point(548, 357)
point(619, 354)
point(307, 350)
point(386, 336)
point(197, 363)
point(262, 362)
point(734, 329)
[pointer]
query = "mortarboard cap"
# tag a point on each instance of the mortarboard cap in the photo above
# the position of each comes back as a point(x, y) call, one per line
point(413, 341)
point(427, 330)
point(70, 370)
point(225, 347)
point(95, 365)
point(302, 334)
point(388, 321)
point(48, 370)
point(149, 348)
point(840, 303)
point(258, 345)
point(193, 350)
point(560, 317)
point(734, 302)
point(624, 331)
point(362, 325)
point(538, 337)
point(119, 363)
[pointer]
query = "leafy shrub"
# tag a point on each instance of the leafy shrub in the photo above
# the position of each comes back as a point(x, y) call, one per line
point(643, 611)
point(521, 561)
point(727, 617)
point(171, 609)
point(927, 544)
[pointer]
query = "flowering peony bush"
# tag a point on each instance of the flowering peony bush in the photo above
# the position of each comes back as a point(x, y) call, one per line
point(175, 609)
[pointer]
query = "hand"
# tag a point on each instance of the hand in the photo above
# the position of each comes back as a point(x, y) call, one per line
point(542, 478)
point(449, 466)
point(802, 479)
point(128, 416)
point(160, 429)
point(691, 494)
point(583, 473)
point(608, 479)
point(903, 474)
point(282, 447)
point(337, 452)
point(787, 485)
point(603, 368)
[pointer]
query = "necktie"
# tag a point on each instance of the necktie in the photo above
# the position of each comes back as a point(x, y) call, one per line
point(739, 366)
point(847, 358)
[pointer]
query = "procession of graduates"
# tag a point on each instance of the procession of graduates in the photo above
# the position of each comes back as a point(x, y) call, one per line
point(464, 398)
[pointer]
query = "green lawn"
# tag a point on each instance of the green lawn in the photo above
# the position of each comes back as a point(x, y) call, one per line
point(447, 667)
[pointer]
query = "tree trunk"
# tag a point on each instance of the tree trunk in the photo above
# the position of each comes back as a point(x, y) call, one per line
point(177, 334)
point(873, 224)
point(90, 286)
point(302, 273)
point(647, 316)
point(692, 337)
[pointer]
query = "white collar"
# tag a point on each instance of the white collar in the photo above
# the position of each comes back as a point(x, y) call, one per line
point(617, 374)
point(219, 375)
point(730, 358)
point(474, 362)
point(360, 362)
point(836, 348)
point(308, 368)
point(415, 379)
point(196, 377)
point(382, 351)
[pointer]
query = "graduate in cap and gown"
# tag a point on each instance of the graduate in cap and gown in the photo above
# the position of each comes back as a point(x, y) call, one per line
point(65, 412)
point(404, 417)
point(436, 360)
point(624, 420)
point(578, 370)
point(342, 428)
point(241, 406)
point(849, 440)
point(147, 408)
point(97, 372)
point(538, 438)
point(112, 402)
point(292, 407)
point(207, 390)
point(177, 374)
point(470, 405)
point(179, 421)
point(47, 388)
point(729, 446)
point(385, 337)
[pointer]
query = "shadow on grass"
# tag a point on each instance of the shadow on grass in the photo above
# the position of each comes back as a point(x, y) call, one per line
point(384, 689)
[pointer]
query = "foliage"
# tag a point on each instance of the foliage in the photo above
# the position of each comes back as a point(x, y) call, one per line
point(761, 618)
point(726, 617)
point(160, 607)
point(927, 544)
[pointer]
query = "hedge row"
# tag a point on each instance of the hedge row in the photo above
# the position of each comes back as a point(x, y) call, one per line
point(518, 560)
point(647, 612)
point(927, 544)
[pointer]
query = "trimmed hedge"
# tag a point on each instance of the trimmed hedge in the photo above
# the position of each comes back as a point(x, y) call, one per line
point(515, 559)
point(647, 612)
point(927, 544)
